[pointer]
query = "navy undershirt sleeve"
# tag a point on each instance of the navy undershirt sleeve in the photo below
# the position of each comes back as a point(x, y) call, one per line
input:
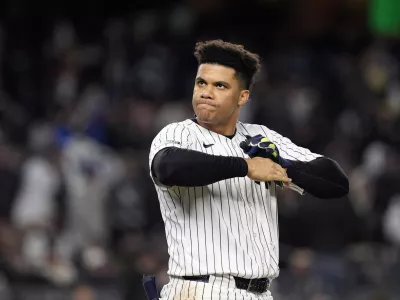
point(322, 177)
point(180, 167)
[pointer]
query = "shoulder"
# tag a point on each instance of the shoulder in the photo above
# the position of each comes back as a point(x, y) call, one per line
point(176, 126)
point(175, 134)
point(254, 129)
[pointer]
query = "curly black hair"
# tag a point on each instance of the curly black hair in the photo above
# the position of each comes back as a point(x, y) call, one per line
point(235, 56)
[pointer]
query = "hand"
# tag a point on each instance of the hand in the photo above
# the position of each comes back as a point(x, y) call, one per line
point(260, 146)
point(264, 169)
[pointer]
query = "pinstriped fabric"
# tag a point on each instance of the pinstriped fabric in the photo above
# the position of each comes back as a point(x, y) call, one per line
point(229, 227)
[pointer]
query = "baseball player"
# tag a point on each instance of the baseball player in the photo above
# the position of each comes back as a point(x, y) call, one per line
point(217, 181)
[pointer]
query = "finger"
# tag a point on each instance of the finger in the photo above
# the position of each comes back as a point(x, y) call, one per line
point(276, 165)
point(280, 170)
point(284, 179)
point(286, 185)
point(279, 173)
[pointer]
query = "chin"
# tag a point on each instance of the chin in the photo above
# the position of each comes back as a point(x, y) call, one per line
point(204, 117)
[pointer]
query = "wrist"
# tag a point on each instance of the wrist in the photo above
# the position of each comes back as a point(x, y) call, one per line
point(249, 165)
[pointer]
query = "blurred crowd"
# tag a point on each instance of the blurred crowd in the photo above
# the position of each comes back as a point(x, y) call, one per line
point(82, 98)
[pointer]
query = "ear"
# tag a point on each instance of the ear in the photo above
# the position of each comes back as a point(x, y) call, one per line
point(244, 97)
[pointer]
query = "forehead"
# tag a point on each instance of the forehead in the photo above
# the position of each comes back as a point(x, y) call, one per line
point(214, 72)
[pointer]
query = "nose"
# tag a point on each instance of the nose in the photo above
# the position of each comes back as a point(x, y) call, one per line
point(206, 94)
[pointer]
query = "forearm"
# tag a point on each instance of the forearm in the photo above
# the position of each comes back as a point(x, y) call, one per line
point(322, 177)
point(180, 167)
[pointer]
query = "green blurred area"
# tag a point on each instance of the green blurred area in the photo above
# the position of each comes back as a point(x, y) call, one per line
point(384, 17)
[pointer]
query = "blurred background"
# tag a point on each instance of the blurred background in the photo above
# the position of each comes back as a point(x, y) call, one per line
point(81, 99)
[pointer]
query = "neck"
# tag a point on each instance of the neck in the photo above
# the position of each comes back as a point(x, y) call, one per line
point(226, 129)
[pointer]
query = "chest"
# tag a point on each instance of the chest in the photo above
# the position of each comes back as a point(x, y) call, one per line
point(218, 145)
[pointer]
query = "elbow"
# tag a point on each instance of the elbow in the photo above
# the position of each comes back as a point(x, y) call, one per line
point(343, 185)
point(331, 191)
point(338, 178)
point(163, 173)
point(332, 184)
point(162, 169)
point(322, 178)
point(343, 191)
point(339, 185)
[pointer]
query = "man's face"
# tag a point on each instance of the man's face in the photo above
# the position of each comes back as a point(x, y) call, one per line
point(217, 94)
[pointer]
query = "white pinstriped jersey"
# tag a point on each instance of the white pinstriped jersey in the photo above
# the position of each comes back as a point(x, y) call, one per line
point(231, 226)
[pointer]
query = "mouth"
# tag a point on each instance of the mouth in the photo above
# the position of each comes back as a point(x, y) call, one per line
point(206, 107)
point(206, 103)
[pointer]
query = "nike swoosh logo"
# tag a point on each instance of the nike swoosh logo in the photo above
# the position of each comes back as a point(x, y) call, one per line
point(207, 146)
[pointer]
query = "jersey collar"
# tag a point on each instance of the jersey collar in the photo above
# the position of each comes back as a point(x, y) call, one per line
point(227, 136)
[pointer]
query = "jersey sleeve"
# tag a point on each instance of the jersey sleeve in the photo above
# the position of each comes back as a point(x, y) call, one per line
point(288, 149)
point(172, 135)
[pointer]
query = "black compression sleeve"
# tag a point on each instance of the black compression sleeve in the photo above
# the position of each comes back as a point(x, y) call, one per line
point(322, 177)
point(180, 167)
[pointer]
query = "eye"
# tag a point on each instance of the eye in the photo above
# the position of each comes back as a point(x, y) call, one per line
point(201, 83)
point(220, 86)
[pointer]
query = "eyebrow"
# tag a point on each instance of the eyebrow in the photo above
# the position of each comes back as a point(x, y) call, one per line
point(223, 83)
point(217, 82)
point(200, 79)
